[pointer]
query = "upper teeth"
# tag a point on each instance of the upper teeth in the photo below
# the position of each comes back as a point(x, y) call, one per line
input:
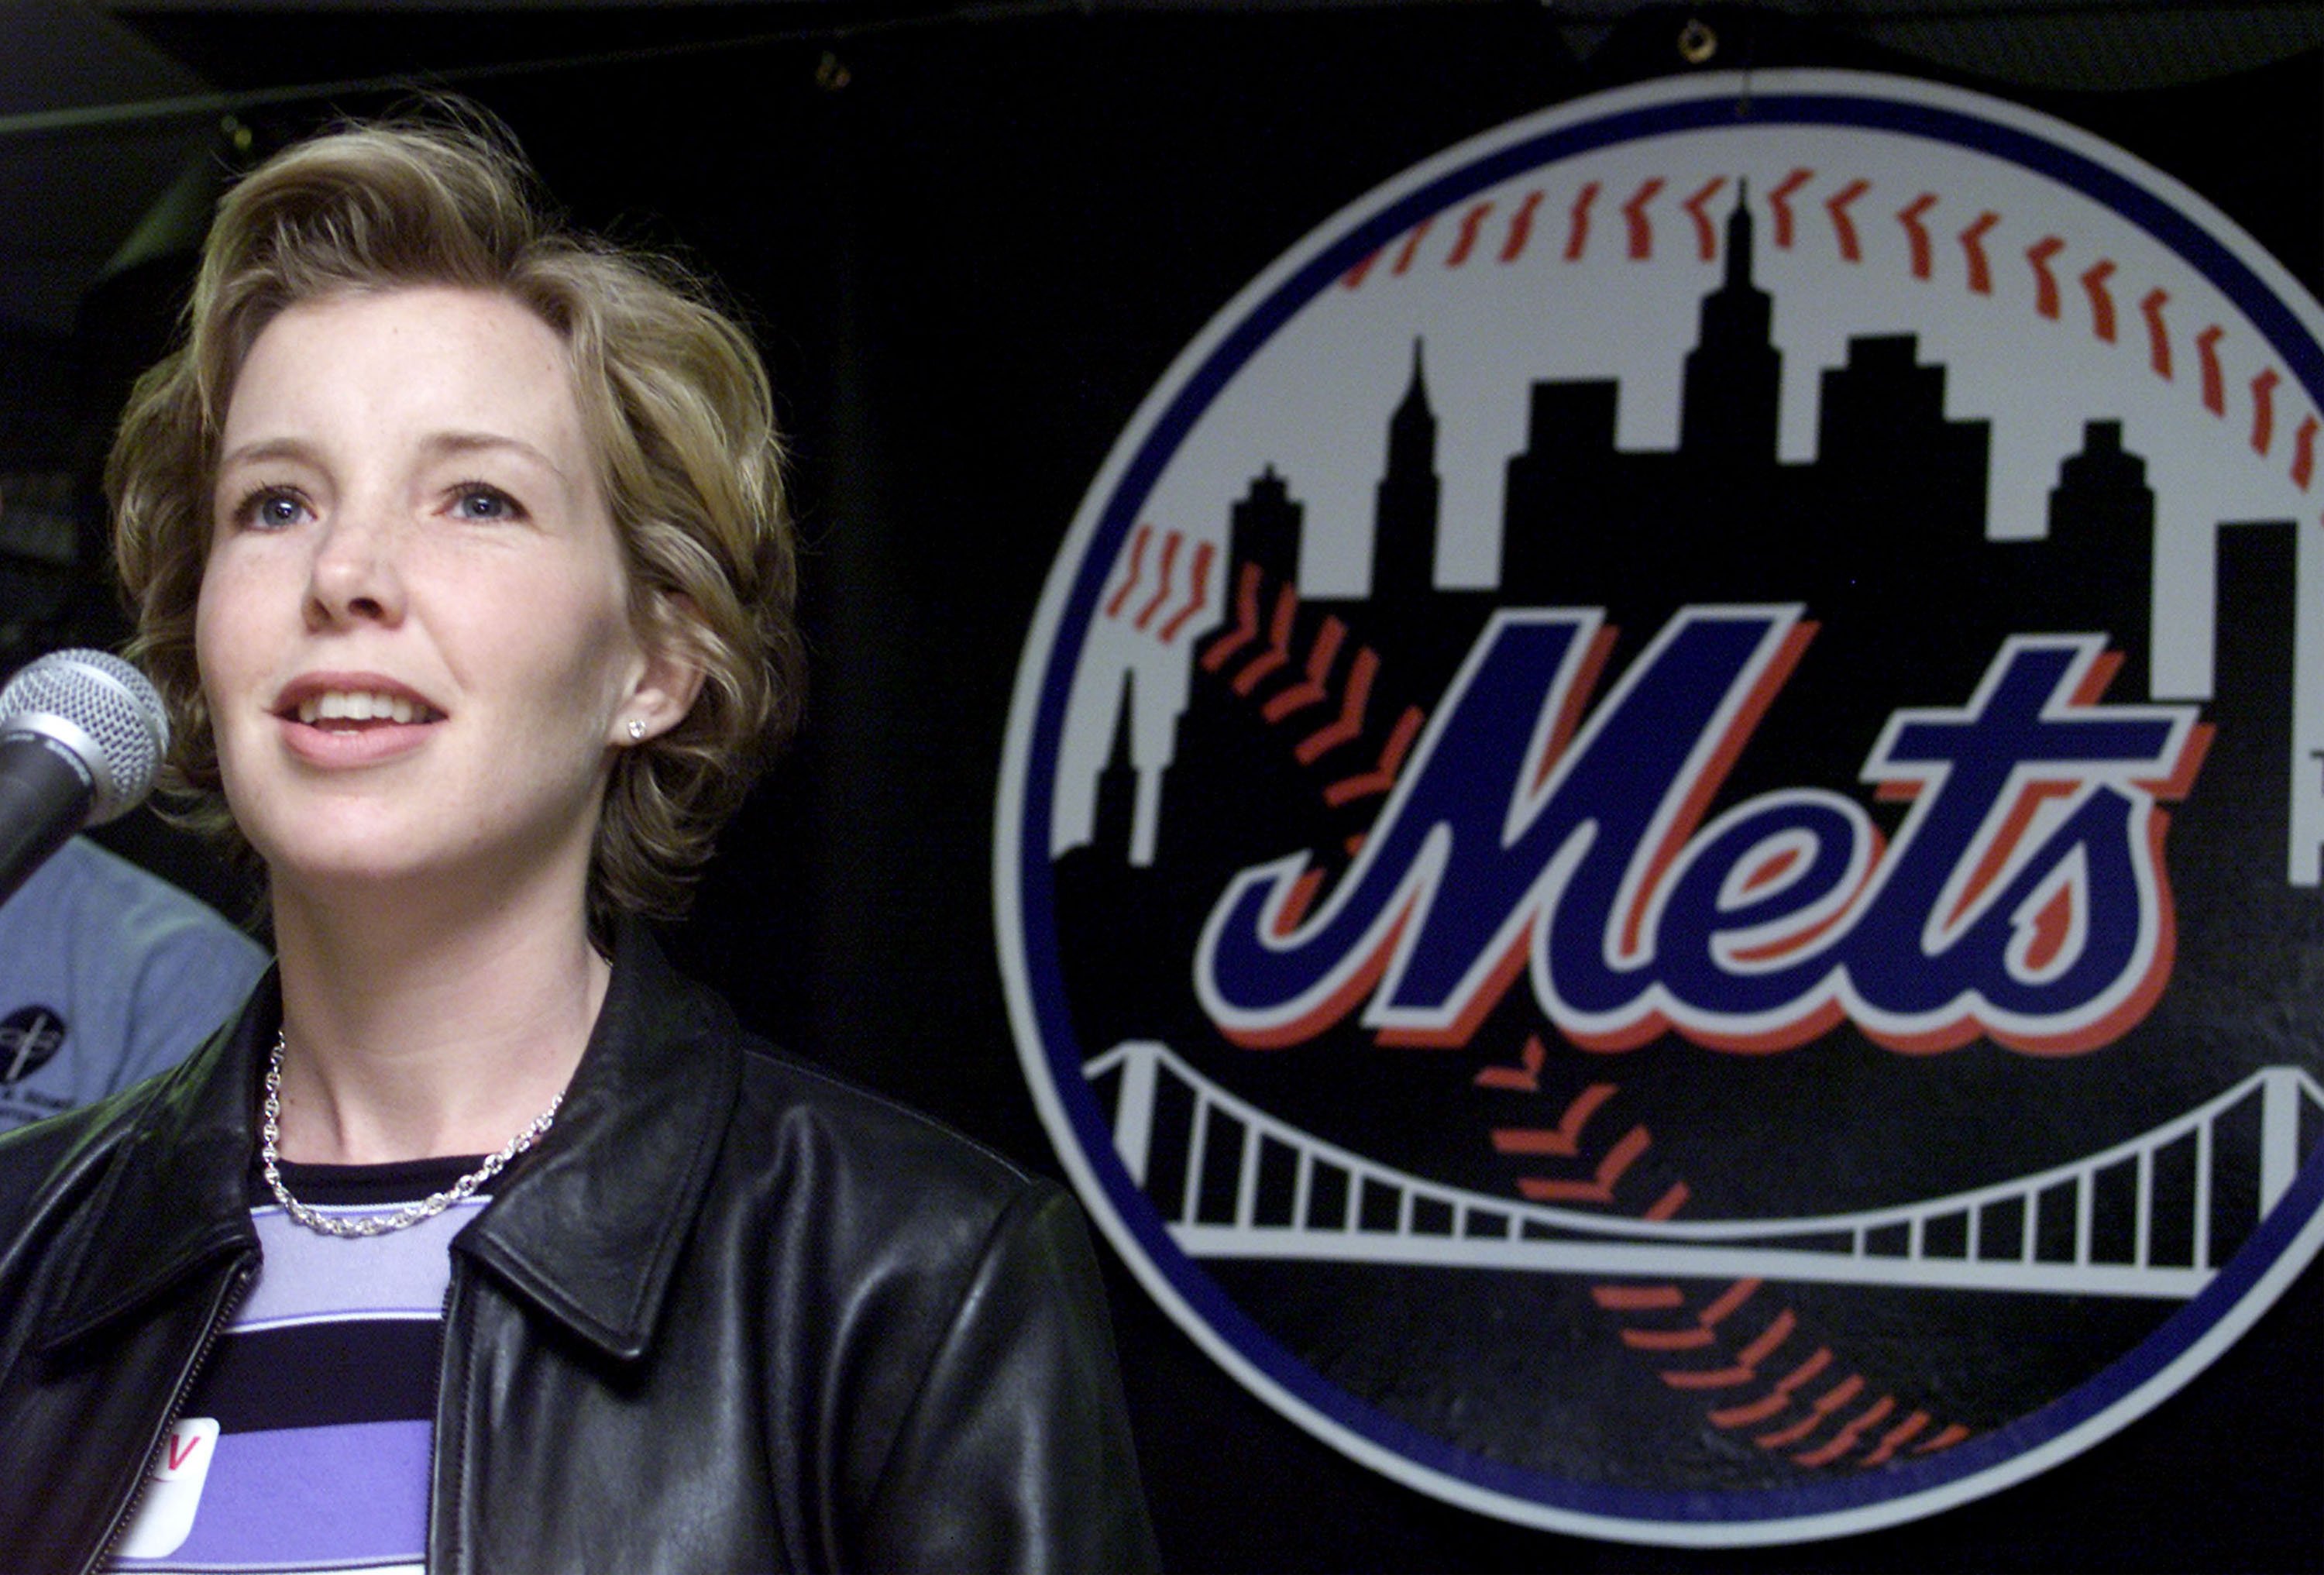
point(334, 705)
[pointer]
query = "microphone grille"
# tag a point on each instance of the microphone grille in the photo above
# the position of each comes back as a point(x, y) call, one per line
point(94, 704)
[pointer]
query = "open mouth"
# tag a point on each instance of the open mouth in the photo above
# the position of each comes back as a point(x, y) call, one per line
point(360, 710)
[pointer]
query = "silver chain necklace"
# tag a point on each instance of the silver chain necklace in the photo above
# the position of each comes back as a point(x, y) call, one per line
point(361, 1225)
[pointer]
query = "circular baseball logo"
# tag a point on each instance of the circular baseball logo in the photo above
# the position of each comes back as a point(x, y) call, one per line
point(1660, 844)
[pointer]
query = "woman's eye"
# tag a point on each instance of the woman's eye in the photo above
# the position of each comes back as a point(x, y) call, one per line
point(478, 502)
point(270, 509)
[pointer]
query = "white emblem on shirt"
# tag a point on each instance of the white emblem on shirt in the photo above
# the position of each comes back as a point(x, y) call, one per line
point(173, 1491)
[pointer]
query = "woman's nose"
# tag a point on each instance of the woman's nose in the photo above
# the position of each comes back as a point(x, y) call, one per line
point(353, 576)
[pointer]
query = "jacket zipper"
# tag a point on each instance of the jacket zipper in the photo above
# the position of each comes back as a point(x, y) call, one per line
point(230, 1299)
point(443, 1388)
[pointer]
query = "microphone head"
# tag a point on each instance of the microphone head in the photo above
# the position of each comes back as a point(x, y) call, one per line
point(103, 712)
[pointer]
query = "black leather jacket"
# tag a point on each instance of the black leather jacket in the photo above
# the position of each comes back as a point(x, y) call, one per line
point(730, 1315)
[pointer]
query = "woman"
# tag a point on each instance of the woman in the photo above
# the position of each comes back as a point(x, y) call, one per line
point(459, 553)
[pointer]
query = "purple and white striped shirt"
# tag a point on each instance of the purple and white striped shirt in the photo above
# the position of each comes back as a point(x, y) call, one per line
point(305, 1443)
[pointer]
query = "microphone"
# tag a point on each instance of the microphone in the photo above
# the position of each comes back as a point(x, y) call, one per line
point(81, 737)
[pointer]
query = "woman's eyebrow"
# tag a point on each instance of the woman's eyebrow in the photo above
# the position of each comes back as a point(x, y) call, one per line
point(438, 444)
point(454, 443)
point(265, 449)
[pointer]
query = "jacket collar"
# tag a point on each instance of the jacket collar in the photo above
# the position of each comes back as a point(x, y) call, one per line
point(587, 1229)
point(590, 1227)
point(175, 1197)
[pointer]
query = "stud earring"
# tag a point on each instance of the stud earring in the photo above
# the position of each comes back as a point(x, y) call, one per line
point(637, 731)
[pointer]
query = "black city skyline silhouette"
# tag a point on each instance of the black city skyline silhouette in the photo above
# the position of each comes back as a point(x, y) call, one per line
point(1882, 534)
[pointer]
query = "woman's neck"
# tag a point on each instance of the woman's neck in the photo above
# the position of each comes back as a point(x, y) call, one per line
point(411, 1032)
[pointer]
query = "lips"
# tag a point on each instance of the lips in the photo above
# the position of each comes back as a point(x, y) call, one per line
point(353, 703)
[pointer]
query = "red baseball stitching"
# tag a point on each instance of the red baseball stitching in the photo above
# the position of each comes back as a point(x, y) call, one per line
point(1916, 233)
point(1663, 1321)
point(1578, 233)
point(1706, 233)
point(1319, 657)
point(1412, 245)
point(1322, 677)
point(1979, 278)
point(1382, 776)
point(1198, 585)
point(1843, 227)
point(1779, 202)
point(1520, 227)
point(1162, 586)
point(1972, 243)
point(1137, 540)
point(1198, 592)
point(2094, 284)
point(2045, 284)
point(1470, 224)
point(1640, 227)
point(1352, 707)
point(1277, 653)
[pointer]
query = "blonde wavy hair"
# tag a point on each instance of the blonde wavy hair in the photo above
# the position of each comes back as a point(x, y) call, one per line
point(672, 393)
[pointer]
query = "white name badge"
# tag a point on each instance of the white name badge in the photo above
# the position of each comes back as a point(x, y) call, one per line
point(179, 1469)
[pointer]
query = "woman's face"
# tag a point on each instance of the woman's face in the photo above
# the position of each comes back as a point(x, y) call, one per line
point(413, 629)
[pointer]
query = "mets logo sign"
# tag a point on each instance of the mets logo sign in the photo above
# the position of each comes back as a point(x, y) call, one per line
point(1659, 854)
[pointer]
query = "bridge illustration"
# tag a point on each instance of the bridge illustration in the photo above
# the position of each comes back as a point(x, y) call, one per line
point(1243, 1184)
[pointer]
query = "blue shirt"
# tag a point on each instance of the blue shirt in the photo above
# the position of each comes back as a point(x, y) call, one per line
point(107, 975)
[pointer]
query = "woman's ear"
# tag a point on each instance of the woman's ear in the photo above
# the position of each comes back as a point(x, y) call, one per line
point(669, 672)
